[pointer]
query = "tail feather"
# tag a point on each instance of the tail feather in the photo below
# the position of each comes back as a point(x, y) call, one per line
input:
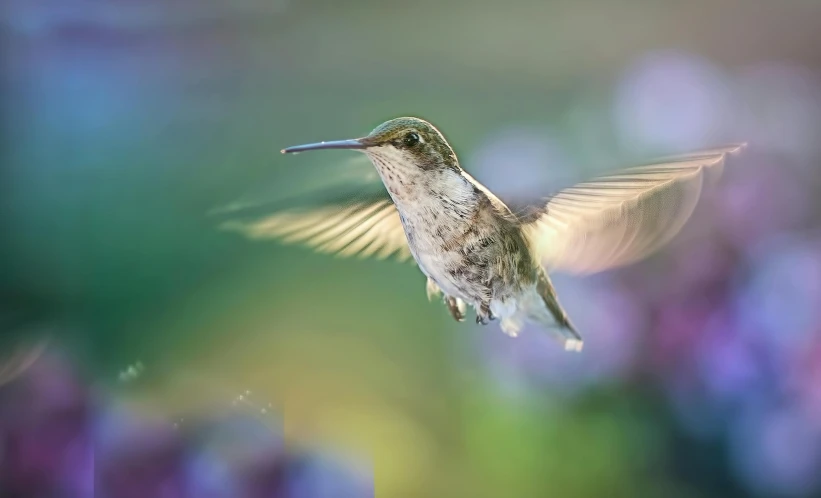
point(540, 305)
point(572, 339)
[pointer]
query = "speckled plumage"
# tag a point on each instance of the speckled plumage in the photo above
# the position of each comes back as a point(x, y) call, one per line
point(464, 239)
point(473, 249)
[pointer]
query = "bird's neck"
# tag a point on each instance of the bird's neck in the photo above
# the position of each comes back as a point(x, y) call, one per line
point(447, 194)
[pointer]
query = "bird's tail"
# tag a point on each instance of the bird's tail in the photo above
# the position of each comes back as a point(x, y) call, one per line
point(541, 306)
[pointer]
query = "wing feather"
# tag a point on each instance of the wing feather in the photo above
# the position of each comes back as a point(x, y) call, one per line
point(621, 218)
point(343, 210)
point(363, 229)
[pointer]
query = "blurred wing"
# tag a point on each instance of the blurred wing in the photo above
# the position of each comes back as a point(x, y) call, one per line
point(619, 219)
point(363, 229)
point(351, 218)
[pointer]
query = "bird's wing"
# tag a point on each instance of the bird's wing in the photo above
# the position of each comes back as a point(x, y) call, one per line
point(355, 217)
point(621, 218)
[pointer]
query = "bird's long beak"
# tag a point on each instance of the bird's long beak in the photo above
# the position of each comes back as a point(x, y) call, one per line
point(356, 143)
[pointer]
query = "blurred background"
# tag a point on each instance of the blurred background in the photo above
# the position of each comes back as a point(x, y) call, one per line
point(152, 355)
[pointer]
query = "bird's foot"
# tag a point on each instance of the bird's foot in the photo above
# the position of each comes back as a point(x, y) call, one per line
point(456, 307)
point(484, 315)
point(432, 289)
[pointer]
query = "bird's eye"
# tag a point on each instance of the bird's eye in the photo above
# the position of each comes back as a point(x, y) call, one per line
point(411, 139)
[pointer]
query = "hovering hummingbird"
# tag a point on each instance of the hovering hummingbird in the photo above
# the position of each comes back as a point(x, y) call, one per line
point(474, 249)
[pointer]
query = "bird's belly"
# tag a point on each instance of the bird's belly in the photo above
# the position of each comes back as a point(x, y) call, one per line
point(435, 265)
point(459, 275)
point(471, 262)
point(439, 267)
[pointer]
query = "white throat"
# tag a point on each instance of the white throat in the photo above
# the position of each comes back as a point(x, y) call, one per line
point(413, 188)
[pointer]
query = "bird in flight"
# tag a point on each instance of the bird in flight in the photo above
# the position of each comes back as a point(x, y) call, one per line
point(473, 248)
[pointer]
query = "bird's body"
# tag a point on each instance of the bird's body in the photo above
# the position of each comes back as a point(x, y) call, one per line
point(469, 244)
point(473, 248)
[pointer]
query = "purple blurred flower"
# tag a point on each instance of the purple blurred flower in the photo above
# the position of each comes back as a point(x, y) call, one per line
point(138, 455)
point(761, 200)
point(776, 451)
point(327, 477)
point(777, 305)
point(45, 446)
point(55, 442)
point(728, 366)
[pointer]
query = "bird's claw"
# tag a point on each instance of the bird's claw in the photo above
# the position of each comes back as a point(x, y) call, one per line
point(456, 308)
point(484, 315)
point(432, 289)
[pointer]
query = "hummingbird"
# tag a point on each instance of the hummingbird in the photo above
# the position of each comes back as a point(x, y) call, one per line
point(473, 248)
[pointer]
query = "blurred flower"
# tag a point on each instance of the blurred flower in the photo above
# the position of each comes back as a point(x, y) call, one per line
point(137, 455)
point(45, 446)
point(208, 476)
point(55, 442)
point(803, 382)
point(761, 199)
point(777, 451)
point(777, 305)
point(327, 477)
point(728, 366)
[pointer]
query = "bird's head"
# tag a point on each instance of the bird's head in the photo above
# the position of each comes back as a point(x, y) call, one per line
point(402, 146)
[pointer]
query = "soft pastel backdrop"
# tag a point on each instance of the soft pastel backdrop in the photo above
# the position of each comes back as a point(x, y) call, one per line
point(184, 361)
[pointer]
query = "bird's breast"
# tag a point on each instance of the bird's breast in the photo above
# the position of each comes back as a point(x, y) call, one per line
point(469, 256)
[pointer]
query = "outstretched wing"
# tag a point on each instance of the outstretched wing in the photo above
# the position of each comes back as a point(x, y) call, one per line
point(350, 218)
point(619, 219)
